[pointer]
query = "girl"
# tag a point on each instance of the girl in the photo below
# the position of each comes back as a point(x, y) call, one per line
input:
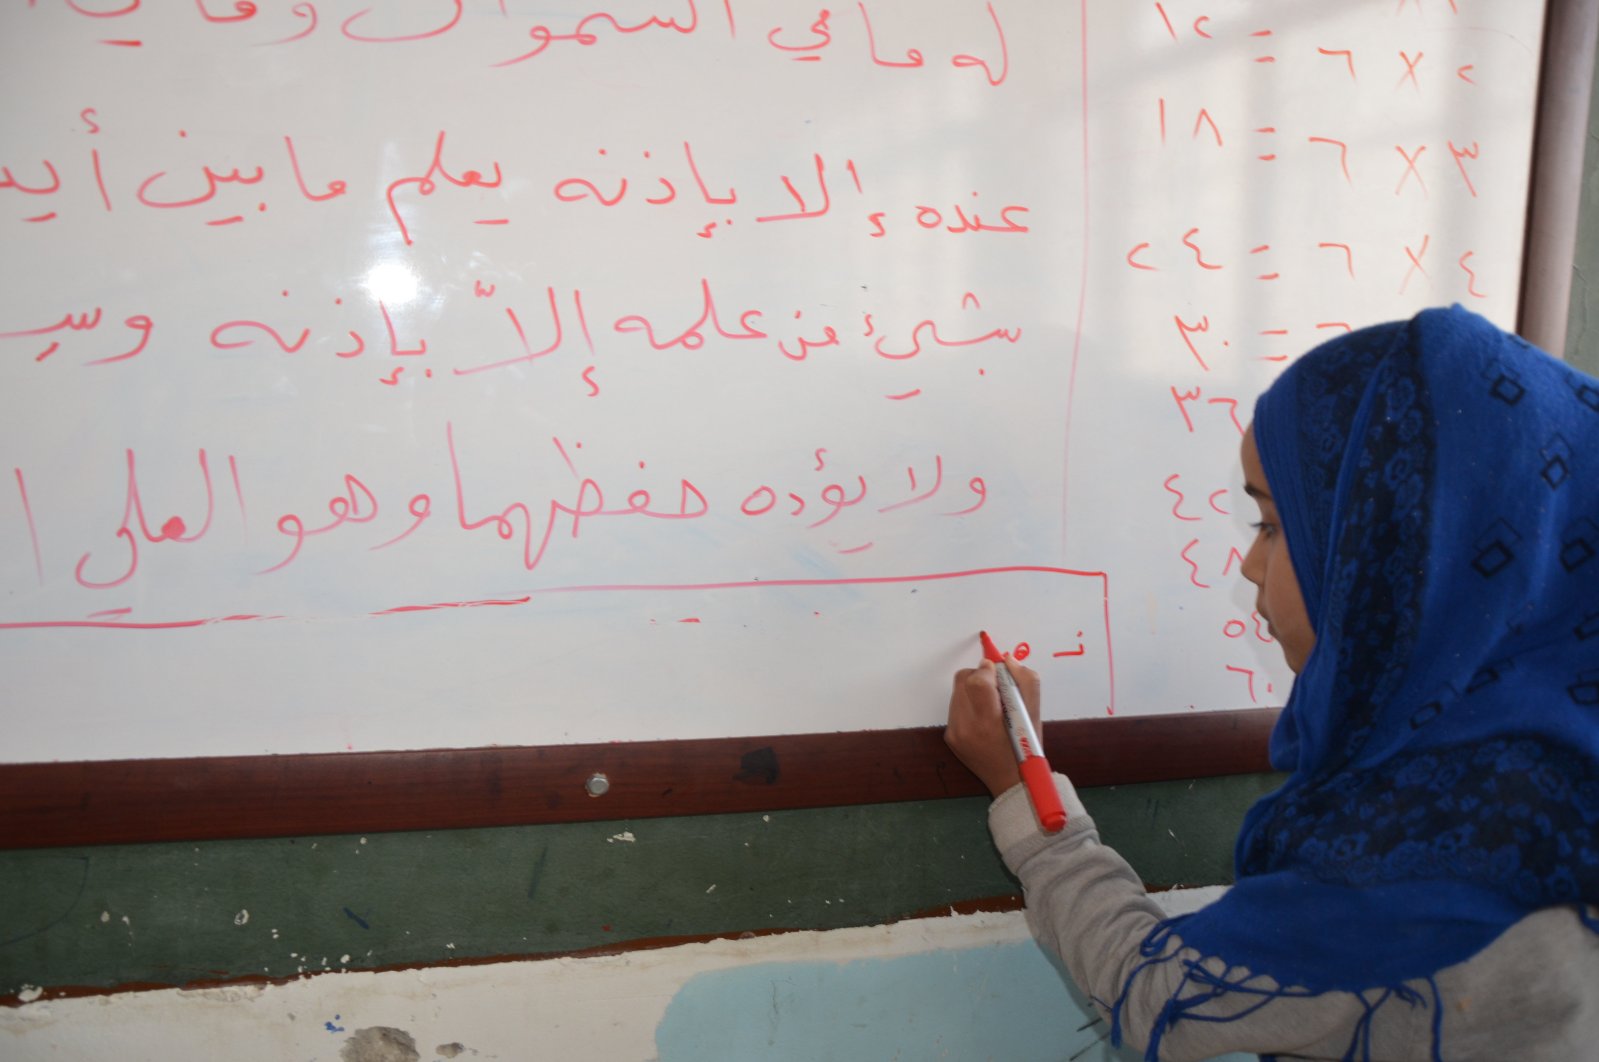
point(1421, 886)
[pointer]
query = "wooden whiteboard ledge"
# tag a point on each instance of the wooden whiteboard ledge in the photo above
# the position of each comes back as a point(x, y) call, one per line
point(212, 798)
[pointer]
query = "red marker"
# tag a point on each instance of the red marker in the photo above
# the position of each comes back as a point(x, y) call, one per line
point(1024, 742)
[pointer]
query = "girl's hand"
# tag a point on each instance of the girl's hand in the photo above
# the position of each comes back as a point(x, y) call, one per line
point(976, 730)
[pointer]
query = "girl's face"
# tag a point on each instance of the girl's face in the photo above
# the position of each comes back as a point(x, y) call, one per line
point(1268, 566)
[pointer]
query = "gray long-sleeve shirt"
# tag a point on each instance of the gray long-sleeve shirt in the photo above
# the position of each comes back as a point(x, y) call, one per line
point(1531, 995)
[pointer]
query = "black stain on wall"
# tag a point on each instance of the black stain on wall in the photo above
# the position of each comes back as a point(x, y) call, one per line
point(758, 767)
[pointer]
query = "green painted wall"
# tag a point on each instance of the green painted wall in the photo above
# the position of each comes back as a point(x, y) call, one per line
point(174, 914)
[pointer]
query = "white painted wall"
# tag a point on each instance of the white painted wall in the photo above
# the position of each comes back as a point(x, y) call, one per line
point(959, 987)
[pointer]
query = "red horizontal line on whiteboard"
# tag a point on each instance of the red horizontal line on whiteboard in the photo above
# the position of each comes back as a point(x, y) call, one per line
point(127, 625)
point(877, 580)
point(452, 604)
point(590, 588)
point(869, 580)
point(492, 221)
point(124, 44)
point(596, 588)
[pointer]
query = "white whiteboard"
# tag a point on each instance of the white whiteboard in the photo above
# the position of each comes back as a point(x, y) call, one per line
point(452, 373)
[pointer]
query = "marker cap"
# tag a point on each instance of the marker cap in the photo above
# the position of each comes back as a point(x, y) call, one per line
point(1040, 784)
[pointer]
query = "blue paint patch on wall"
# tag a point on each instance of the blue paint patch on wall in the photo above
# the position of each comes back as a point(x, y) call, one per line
point(1007, 1003)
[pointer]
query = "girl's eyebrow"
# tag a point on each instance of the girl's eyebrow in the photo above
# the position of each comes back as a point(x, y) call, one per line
point(1258, 493)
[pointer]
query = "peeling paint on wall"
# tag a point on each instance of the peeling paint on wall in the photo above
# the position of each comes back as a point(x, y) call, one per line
point(380, 1043)
point(569, 1007)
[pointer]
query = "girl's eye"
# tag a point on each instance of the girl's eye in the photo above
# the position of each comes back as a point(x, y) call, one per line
point(1263, 528)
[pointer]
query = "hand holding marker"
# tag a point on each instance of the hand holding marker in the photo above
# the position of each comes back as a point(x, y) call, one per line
point(1024, 742)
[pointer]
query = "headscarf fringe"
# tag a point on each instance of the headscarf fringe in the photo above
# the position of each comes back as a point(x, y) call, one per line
point(1231, 981)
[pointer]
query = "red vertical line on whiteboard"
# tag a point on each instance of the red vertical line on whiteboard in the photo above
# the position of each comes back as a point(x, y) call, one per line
point(27, 510)
point(1110, 652)
point(1163, 119)
point(569, 465)
point(238, 492)
point(582, 320)
point(1248, 674)
point(1166, 20)
point(1471, 274)
point(99, 179)
point(727, 9)
point(1082, 302)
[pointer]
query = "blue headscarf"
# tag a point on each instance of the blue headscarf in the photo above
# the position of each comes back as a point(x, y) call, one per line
point(1438, 483)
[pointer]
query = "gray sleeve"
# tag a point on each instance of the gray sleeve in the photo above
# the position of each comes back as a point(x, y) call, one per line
point(1085, 904)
